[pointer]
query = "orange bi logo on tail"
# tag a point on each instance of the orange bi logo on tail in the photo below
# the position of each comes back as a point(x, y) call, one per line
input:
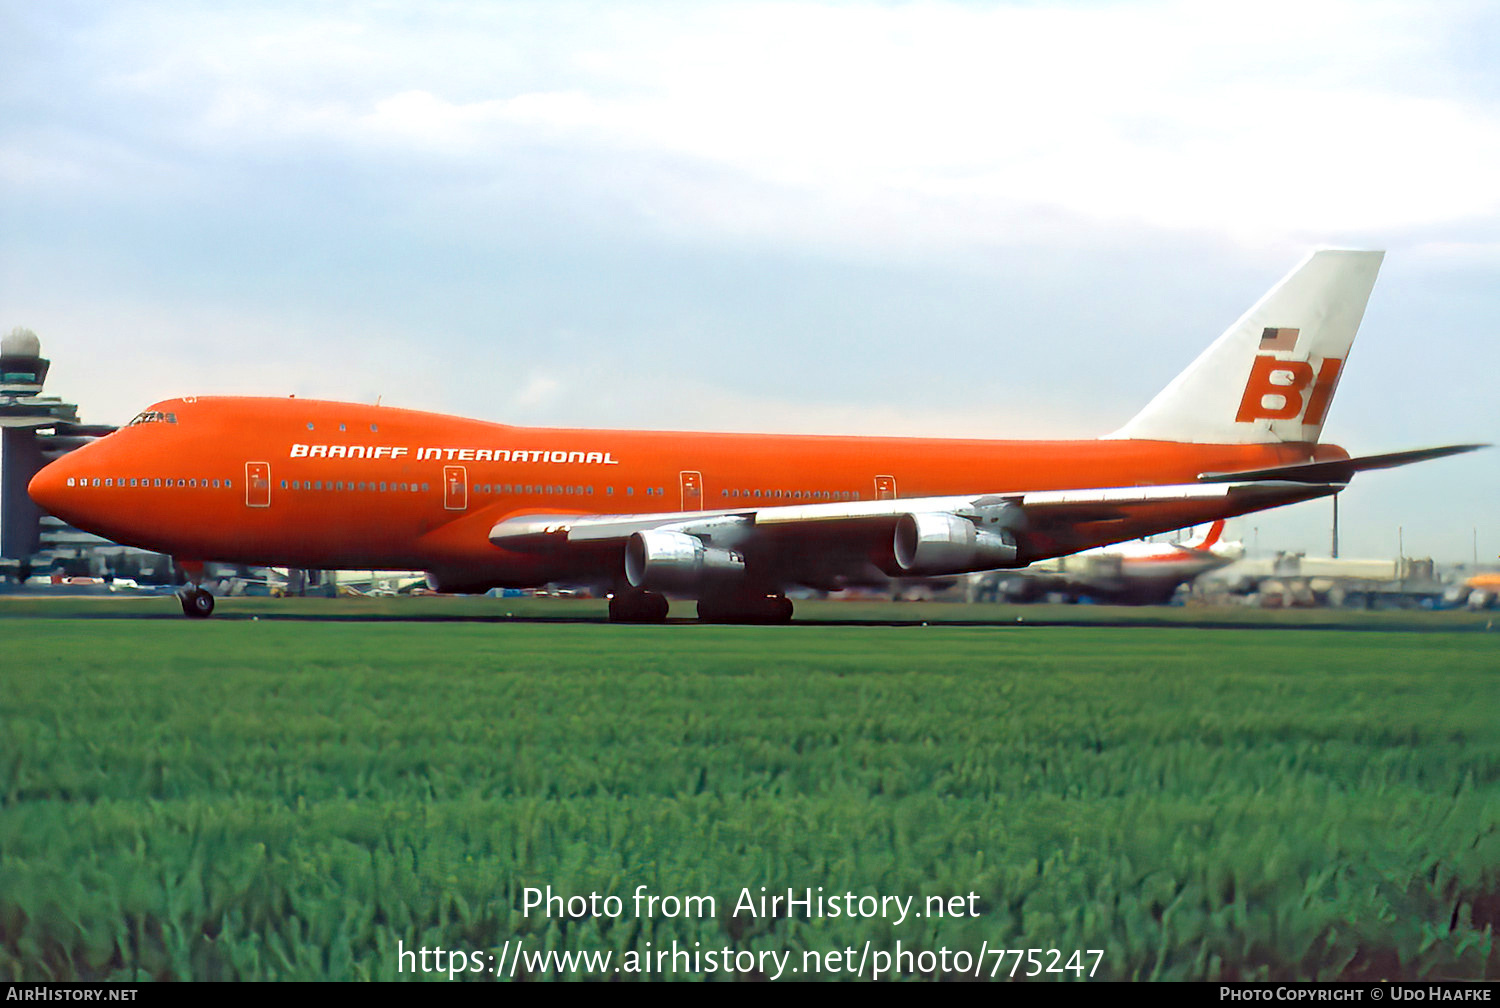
point(1283, 390)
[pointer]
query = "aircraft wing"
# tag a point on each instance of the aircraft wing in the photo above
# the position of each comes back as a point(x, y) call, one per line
point(921, 535)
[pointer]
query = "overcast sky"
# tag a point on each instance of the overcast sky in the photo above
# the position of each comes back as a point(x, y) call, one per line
point(977, 219)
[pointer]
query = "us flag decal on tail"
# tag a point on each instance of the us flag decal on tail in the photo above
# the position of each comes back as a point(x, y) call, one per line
point(1279, 339)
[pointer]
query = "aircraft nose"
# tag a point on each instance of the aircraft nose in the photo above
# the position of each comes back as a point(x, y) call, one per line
point(55, 488)
point(49, 487)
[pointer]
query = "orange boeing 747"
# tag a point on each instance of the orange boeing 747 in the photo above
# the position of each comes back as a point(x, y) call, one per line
point(732, 520)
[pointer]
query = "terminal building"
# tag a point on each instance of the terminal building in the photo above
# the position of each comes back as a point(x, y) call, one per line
point(34, 430)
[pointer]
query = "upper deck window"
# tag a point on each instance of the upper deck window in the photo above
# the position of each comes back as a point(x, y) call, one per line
point(153, 416)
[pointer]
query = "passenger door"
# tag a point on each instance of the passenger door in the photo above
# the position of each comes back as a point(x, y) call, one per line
point(692, 491)
point(257, 484)
point(455, 488)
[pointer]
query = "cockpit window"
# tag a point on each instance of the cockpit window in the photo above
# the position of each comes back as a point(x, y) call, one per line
point(153, 416)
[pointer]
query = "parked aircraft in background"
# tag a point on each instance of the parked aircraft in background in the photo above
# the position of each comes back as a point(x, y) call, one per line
point(732, 520)
point(1133, 573)
point(1483, 591)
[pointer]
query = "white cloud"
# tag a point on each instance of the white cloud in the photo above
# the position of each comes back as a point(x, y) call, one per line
point(538, 390)
point(934, 125)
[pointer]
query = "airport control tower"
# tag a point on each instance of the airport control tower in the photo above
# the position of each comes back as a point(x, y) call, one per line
point(36, 429)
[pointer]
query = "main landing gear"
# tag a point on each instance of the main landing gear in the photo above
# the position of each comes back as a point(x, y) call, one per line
point(762, 609)
point(637, 606)
point(197, 603)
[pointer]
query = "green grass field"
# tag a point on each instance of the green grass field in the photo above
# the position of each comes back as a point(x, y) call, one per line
point(278, 797)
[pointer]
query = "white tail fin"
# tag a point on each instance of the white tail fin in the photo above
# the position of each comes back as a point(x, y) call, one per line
point(1272, 375)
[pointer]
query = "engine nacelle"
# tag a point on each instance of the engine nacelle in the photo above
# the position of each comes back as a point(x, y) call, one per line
point(944, 543)
point(680, 563)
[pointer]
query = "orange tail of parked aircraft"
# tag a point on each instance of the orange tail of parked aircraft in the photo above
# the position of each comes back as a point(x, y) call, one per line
point(732, 520)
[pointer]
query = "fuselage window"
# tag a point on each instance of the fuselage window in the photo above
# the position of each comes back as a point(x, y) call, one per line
point(630, 491)
point(609, 491)
point(589, 491)
point(283, 484)
point(382, 488)
point(132, 481)
point(216, 484)
point(309, 425)
point(374, 429)
point(228, 485)
point(342, 427)
point(193, 483)
point(425, 488)
point(156, 482)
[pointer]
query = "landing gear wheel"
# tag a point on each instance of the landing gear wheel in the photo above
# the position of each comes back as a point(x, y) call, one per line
point(763, 609)
point(196, 603)
point(636, 606)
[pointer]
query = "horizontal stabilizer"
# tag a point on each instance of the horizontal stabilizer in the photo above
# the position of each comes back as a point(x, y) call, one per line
point(1337, 470)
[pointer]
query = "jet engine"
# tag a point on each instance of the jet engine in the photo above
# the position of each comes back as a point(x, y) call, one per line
point(677, 562)
point(944, 543)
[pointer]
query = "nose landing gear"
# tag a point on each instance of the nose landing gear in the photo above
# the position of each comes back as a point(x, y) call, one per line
point(196, 601)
